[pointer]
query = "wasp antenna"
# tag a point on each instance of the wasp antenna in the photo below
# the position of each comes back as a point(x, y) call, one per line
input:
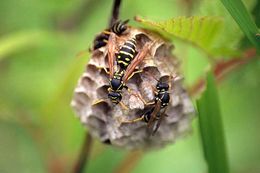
point(99, 101)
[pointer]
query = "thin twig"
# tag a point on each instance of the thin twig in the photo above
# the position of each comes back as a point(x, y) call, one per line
point(129, 163)
point(84, 154)
point(222, 69)
point(115, 12)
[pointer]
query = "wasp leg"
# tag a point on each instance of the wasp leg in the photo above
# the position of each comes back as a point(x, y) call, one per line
point(105, 69)
point(133, 121)
point(135, 72)
point(98, 101)
point(109, 33)
point(106, 32)
point(103, 100)
point(109, 89)
point(123, 106)
point(140, 97)
point(144, 101)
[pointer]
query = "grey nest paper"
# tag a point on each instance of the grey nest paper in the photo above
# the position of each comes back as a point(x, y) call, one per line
point(104, 119)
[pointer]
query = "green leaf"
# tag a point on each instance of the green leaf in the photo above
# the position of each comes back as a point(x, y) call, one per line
point(211, 129)
point(245, 42)
point(240, 14)
point(199, 31)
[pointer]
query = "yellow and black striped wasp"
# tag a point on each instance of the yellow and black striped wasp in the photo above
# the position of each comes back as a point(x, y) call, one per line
point(118, 28)
point(126, 54)
point(126, 61)
point(156, 109)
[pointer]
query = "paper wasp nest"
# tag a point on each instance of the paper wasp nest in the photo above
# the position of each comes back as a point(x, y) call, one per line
point(104, 119)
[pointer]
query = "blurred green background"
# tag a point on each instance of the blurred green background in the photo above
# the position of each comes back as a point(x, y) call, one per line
point(39, 68)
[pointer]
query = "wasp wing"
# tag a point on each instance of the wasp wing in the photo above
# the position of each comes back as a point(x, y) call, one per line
point(111, 53)
point(158, 122)
point(153, 119)
point(136, 61)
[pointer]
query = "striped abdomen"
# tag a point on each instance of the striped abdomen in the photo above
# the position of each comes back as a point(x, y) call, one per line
point(101, 40)
point(119, 27)
point(126, 53)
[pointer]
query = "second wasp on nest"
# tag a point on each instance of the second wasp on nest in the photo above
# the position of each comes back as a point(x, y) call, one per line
point(131, 93)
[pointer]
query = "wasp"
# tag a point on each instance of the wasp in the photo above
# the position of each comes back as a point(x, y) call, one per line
point(127, 59)
point(102, 39)
point(123, 59)
point(156, 112)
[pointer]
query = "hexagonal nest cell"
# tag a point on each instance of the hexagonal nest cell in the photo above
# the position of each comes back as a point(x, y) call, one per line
point(104, 119)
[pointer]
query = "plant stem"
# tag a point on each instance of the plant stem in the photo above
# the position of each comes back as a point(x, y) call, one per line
point(222, 69)
point(115, 12)
point(81, 163)
point(129, 163)
point(78, 16)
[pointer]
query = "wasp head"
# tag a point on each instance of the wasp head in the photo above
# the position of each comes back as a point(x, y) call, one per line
point(162, 86)
point(115, 97)
point(116, 83)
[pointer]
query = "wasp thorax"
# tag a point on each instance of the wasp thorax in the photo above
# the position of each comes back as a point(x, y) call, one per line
point(155, 92)
point(116, 82)
point(162, 86)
